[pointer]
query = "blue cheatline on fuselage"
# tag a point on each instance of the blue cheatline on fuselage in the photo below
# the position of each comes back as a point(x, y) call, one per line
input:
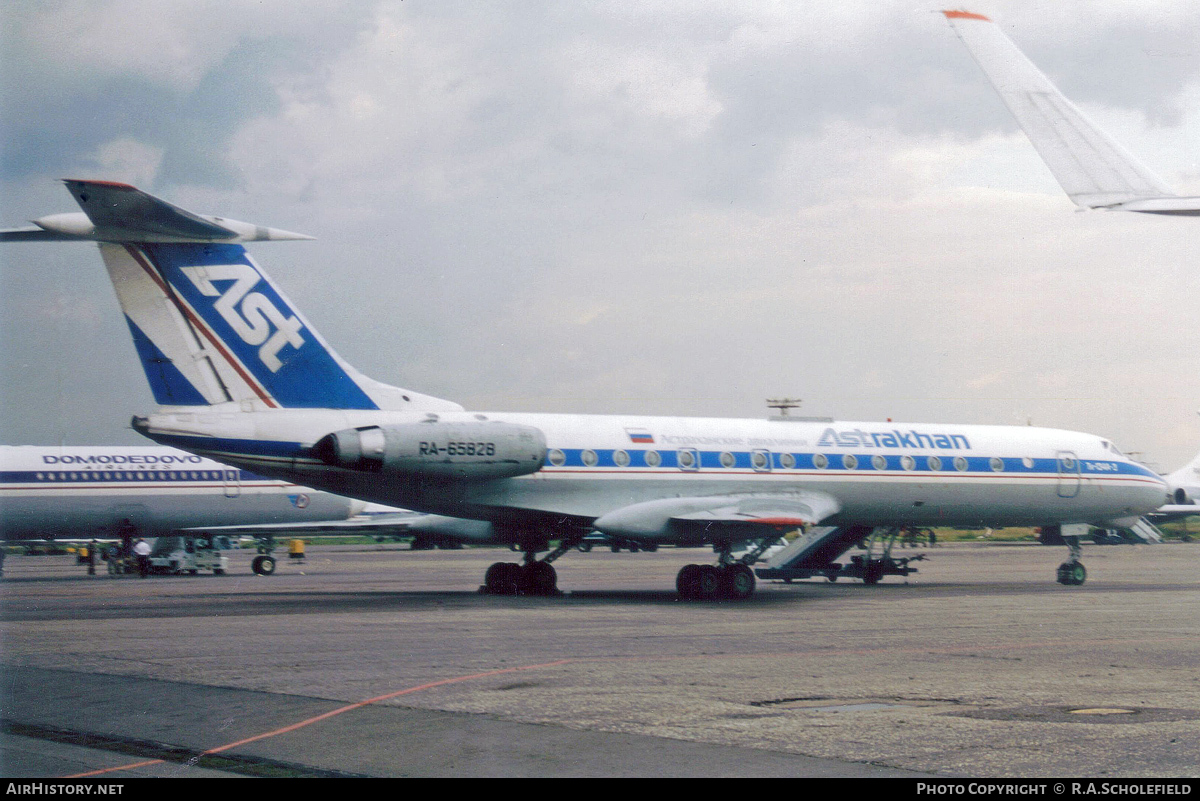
point(68, 476)
point(605, 459)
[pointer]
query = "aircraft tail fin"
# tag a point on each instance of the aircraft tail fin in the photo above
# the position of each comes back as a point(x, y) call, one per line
point(208, 324)
point(1092, 168)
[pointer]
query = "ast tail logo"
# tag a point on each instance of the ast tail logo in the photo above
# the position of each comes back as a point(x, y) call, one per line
point(251, 315)
point(260, 344)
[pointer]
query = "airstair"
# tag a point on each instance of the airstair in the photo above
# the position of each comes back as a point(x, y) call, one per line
point(1145, 531)
point(813, 554)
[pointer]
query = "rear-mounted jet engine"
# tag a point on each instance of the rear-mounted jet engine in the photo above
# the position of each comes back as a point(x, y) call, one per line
point(469, 450)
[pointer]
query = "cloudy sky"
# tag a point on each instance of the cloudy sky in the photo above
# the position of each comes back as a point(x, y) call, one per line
point(676, 207)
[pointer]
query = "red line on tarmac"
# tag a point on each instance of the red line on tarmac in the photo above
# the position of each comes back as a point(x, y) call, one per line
point(949, 649)
point(330, 714)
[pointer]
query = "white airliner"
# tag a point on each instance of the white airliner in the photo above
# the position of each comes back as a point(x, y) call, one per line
point(76, 492)
point(83, 492)
point(1184, 488)
point(241, 376)
point(1095, 171)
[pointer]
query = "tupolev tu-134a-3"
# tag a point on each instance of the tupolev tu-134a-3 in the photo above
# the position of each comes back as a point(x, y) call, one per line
point(240, 376)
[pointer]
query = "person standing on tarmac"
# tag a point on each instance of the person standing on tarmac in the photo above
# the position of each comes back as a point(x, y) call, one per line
point(141, 550)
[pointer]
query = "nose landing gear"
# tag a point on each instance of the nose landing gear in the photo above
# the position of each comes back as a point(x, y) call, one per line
point(1072, 573)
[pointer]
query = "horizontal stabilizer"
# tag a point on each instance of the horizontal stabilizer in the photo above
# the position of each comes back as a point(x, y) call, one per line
point(115, 212)
point(36, 233)
point(1092, 168)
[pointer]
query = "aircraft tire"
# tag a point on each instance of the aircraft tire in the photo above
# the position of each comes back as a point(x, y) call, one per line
point(738, 582)
point(502, 578)
point(539, 578)
point(1072, 574)
point(687, 583)
point(263, 565)
point(709, 583)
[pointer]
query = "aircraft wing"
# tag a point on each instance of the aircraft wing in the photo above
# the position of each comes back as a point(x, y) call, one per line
point(718, 518)
point(375, 525)
point(1092, 169)
point(370, 525)
point(1174, 511)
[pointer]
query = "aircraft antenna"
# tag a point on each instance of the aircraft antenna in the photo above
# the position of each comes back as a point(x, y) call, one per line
point(783, 404)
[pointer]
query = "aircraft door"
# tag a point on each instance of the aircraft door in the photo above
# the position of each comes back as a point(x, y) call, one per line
point(1069, 478)
point(233, 484)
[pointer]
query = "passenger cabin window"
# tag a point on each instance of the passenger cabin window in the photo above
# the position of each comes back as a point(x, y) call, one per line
point(879, 462)
point(621, 458)
point(787, 461)
point(997, 464)
point(960, 464)
point(727, 460)
point(557, 458)
point(653, 459)
point(687, 459)
point(908, 463)
point(849, 462)
point(821, 461)
point(934, 462)
point(589, 458)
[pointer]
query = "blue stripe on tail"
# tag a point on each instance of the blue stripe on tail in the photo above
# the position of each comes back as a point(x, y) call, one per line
point(255, 324)
point(170, 387)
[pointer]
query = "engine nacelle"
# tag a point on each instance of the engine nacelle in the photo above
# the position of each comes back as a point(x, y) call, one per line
point(466, 450)
point(1182, 496)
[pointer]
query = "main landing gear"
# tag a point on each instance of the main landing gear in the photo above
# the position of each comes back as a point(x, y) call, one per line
point(713, 582)
point(264, 563)
point(727, 580)
point(533, 577)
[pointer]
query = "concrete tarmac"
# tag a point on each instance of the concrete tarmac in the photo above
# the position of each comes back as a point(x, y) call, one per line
point(379, 661)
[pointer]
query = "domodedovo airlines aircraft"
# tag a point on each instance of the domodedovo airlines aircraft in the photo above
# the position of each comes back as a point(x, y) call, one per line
point(240, 376)
point(105, 492)
point(109, 492)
